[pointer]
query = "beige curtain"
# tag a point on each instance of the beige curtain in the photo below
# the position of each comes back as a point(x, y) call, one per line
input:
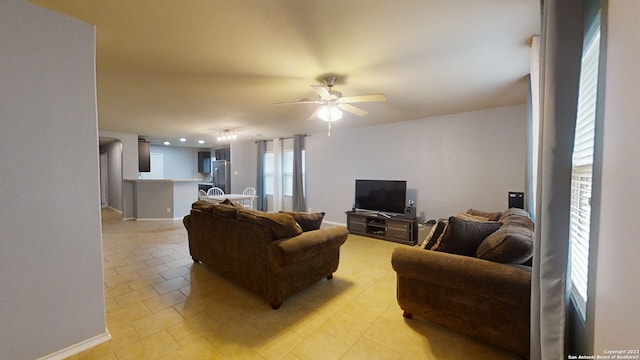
point(261, 192)
point(299, 201)
point(561, 51)
point(533, 103)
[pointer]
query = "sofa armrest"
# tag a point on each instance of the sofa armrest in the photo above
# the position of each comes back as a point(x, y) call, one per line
point(186, 221)
point(511, 284)
point(284, 252)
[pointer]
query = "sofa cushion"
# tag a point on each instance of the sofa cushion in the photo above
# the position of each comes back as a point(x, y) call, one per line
point(281, 225)
point(512, 243)
point(462, 237)
point(491, 216)
point(307, 221)
point(436, 232)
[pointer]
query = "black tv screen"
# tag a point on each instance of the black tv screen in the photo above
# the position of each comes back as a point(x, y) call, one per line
point(388, 196)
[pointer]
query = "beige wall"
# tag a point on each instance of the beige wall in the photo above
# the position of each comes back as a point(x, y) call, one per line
point(451, 163)
point(617, 317)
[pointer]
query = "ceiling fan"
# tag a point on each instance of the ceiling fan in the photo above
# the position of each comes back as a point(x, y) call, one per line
point(332, 103)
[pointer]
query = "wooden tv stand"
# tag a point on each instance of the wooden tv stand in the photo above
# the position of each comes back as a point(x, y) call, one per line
point(396, 228)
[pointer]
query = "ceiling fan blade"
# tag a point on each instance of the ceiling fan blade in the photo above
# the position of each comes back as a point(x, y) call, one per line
point(363, 98)
point(301, 101)
point(322, 91)
point(352, 109)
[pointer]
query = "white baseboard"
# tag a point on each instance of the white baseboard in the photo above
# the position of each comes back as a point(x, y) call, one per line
point(116, 210)
point(334, 223)
point(79, 347)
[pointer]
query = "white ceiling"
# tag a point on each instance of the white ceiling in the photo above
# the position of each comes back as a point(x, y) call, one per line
point(168, 69)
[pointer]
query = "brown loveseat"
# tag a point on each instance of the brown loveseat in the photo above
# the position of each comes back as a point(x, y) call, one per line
point(269, 254)
point(473, 293)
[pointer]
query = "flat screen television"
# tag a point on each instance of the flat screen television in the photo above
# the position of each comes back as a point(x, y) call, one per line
point(385, 196)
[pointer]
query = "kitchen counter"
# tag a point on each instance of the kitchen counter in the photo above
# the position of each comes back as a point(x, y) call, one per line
point(153, 199)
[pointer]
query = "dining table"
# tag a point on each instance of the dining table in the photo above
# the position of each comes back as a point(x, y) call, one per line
point(231, 197)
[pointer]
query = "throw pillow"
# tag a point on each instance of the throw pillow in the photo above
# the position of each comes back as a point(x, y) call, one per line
point(281, 225)
point(521, 221)
point(514, 212)
point(224, 210)
point(438, 240)
point(462, 237)
point(469, 217)
point(202, 205)
point(234, 204)
point(491, 216)
point(436, 231)
point(512, 243)
point(307, 221)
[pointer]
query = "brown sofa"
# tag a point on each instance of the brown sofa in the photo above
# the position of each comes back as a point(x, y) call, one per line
point(269, 254)
point(483, 298)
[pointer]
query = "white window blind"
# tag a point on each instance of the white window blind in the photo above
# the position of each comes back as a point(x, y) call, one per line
point(287, 174)
point(582, 169)
point(269, 173)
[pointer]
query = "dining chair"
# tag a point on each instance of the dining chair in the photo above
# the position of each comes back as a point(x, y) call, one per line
point(248, 202)
point(215, 191)
point(202, 195)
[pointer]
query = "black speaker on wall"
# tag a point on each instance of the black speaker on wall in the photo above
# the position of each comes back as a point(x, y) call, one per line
point(516, 199)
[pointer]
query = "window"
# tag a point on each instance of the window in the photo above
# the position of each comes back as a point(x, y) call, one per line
point(582, 168)
point(287, 174)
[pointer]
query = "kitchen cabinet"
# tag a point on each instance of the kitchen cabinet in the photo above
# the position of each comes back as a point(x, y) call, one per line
point(204, 162)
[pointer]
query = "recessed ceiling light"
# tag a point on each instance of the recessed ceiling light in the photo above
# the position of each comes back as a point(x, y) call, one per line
point(167, 143)
point(200, 141)
point(183, 139)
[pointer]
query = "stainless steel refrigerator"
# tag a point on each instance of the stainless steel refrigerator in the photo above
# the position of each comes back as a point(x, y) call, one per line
point(220, 175)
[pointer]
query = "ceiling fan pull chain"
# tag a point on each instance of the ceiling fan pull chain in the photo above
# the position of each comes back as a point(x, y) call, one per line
point(329, 132)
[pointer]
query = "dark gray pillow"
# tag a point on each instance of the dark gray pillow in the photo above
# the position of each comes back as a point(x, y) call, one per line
point(307, 221)
point(463, 237)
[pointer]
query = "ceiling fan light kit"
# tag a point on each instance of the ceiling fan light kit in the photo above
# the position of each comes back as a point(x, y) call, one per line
point(333, 103)
point(329, 113)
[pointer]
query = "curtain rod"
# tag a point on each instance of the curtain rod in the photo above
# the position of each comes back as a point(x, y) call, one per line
point(282, 138)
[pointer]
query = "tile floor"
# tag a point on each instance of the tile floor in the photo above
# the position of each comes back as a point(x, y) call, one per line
point(160, 305)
